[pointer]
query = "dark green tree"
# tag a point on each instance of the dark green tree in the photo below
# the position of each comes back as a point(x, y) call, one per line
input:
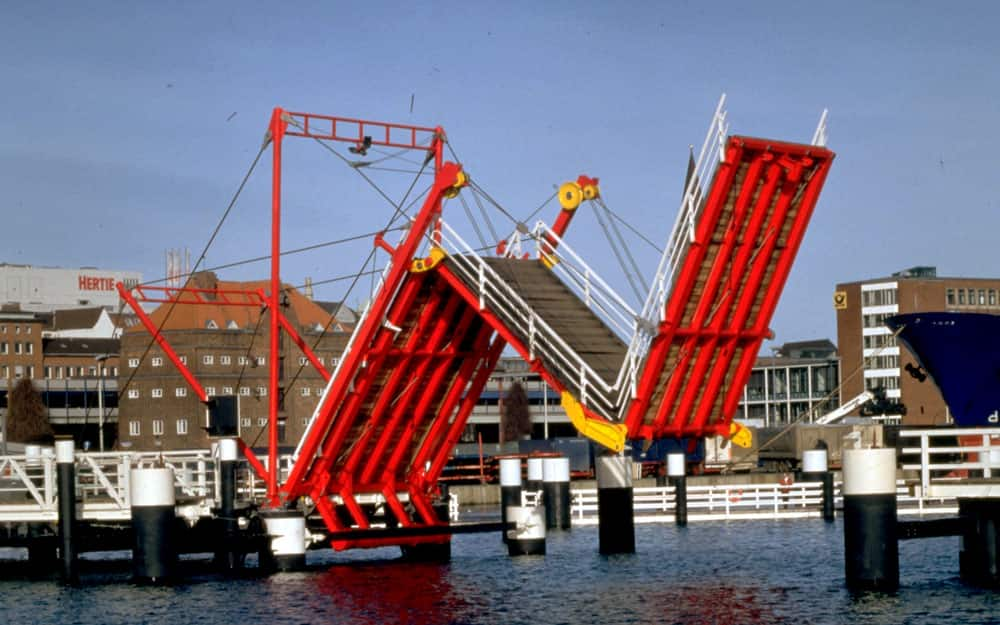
point(26, 415)
point(515, 414)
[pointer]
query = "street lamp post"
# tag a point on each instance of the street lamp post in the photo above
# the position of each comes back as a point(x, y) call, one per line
point(100, 400)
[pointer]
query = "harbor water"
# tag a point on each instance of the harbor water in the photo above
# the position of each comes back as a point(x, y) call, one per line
point(707, 573)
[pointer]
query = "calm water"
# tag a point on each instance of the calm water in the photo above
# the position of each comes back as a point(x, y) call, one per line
point(720, 572)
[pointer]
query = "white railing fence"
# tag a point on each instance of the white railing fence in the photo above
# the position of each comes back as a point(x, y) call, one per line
point(742, 501)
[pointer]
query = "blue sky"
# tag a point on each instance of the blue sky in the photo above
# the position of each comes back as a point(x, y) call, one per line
point(128, 126)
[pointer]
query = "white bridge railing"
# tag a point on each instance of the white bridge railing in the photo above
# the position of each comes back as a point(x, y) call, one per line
point(954, 461)
point(28, 490)
point(657, 504)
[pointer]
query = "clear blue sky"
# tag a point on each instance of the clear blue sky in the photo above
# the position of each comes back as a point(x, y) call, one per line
point(127, 126)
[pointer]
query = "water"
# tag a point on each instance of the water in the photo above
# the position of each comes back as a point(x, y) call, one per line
point(708, 573)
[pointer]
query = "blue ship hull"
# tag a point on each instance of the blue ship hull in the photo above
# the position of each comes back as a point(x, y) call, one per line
point(961, 352)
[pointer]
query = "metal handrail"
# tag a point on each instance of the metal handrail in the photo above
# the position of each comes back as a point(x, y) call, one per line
point(495, 294)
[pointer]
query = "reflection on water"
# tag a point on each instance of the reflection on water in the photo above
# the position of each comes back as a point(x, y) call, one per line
point(706, 574)
point(392, 592)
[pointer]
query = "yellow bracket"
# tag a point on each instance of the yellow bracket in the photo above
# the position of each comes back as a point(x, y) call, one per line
point(740, 436)
point(611, 435)
point(426, 264)
point(460, 181)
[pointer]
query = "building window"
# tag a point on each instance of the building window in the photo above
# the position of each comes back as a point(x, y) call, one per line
point(334, 361)
point(31, 372)
point(319, 392)
point(157, 361)
point(305, 391)
point(30, 347)
point(157, 427)
point(242, 360)
point(157, 393)
point(982, 302)
point(180, 391)
point(961, 297)
point(262, 421)
point(210, 391)
point(133, 362)
point(949, 296)
point(303, 360)
point(92, 372)
point(17, 348)
point(133, 393)
point(17, 330)
point(208, 359)
point(183, 359)
point(182, 427)
point(972, 297)
point(993, 297)
point(882, 362)
point(227, 390)
point(225, 360)
point(48, 373)
point(261, 361)
point(134, 428)
point(3, 348)
point(261, 391)
point(245, 391)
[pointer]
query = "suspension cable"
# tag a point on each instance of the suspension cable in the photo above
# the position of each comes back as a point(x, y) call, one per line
point(624, 247)
point(201, 258)
point(618, 255)
point(299, 250)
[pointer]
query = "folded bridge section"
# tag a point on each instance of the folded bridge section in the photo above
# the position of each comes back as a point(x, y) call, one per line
point(420, 356)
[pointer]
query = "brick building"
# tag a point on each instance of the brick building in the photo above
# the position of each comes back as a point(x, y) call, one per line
point(226, 347)
point(70, 356)
point(870, 356)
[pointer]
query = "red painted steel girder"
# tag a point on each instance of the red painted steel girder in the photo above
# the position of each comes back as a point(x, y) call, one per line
point(746, 237)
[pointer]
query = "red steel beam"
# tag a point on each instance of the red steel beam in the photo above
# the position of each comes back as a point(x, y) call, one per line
point(704, 340)
point(387, 392)
point(415, 388)
point(147, 323)
point(682, 290)
point(446, 177)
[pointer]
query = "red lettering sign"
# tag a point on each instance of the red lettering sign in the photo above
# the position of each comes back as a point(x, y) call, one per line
point(93, 283)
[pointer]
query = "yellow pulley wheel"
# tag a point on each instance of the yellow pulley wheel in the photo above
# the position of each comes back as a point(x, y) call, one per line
point(570, 196)
point(591, 191)
point(460, 181)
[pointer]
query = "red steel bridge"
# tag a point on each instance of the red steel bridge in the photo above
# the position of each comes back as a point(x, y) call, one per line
point(396, 404)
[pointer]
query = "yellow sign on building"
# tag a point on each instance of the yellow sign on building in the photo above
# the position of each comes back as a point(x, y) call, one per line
point(840, 300)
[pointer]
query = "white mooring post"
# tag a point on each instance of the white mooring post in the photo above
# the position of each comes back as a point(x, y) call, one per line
point(615, 514)
point(510, 489)
point(555, 483)
point(152, 499)
point(871, 545)
point(677, 474)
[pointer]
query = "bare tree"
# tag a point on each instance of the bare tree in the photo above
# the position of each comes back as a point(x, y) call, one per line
point(515, 414)
point(26, 418)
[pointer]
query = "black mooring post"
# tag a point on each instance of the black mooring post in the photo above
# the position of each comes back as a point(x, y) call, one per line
point(615, 515)
point(815, 468)
point(510, 489)
point(871, 547)
point(227, 557)
point(66, 487)
point(555, 483)
point(676, 473)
